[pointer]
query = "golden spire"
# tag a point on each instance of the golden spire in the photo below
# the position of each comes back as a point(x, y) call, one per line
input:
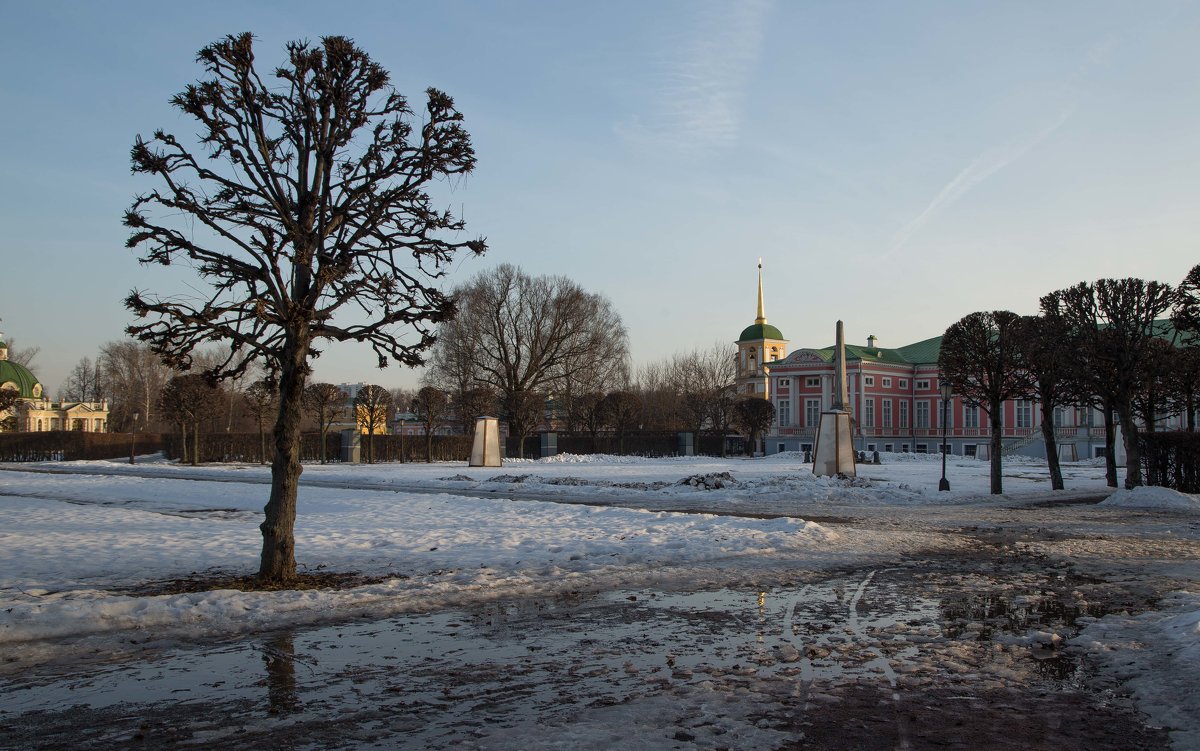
point(762, 317)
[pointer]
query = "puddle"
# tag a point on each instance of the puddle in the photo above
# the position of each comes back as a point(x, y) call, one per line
point(450, 679)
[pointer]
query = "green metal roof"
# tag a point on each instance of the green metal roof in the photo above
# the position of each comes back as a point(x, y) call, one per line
point(20, 377)
point(760, 331)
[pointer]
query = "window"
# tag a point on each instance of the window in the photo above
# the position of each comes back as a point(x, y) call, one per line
point(785, 383)
point(782, 448)
point(922, 414)
point(785, 411)
point(1024, 413)
point(813, 383)
point(904, 448)
point(887, 383)
point(54, 423)
point(887, 413)
point(946, 411)
point(868, 380)
point(812, 412)
point(39, 426)
point(969, 449)
point(888, 447)
point(923, 385)
point(1063, 417)
point(869, 413)
point(871, 447)
point(903, 414)
point(970, 416)
point(903, 383)
point(922, 448)
point(806, 447)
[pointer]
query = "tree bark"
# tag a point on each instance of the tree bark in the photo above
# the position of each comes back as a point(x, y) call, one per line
point(1110, 446)
point(278, 562)
point(997, 419)
point(1133, 454)
point(1056, 478)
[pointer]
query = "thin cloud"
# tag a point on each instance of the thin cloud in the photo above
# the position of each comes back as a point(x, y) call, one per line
point(701, 92)
point(993, 160)
point(984, 166)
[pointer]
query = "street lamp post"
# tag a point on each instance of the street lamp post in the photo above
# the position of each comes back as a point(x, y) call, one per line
point(946, 394)
point(133, 439)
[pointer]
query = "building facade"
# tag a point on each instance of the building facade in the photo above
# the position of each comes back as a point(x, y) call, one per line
point(34, 411)
point(896, 406)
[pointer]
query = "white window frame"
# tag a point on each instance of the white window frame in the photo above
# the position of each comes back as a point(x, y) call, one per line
point(868, 413)
point(812, 381)
point(921, 414)
point(886, 413)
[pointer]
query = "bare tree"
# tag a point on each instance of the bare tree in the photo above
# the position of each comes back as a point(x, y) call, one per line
point(1113, 325)
point(22, 356)
point(372, 406)
point(135, 376)
point(85, 382)
point(981, 357)
point(312, 204)
point(325, 403)
point(622, 411)
point(261, 399)
point(432, 406)
point(188, 400)
point(525, 336)
point(755, 415)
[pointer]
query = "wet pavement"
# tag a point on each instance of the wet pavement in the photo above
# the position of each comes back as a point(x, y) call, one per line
point(963, 651)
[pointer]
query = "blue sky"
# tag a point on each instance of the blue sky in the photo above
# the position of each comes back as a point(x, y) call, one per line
point(896, 165)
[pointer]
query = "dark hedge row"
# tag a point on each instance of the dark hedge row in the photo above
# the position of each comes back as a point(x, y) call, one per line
point(1172, 460)
point(73, 445)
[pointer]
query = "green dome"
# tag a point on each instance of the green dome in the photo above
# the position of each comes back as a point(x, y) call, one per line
point(19, 376)
point(760, 331)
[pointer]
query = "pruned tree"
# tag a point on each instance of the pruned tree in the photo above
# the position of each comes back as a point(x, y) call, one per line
point(1154, 401)
point(1112, 323)
point(310, 219)
point(432, 407)
point(188, 400)
point(523, 337)
point(755, 415)
point(1183, 382)
point(1040, 340)
point(622, 412)
point(588, 412)
point(981, 357)
point(261, 399)
point(8, 400)
point(1185, 309)
point(372, 406)
point(472, 403)
point(326, 404)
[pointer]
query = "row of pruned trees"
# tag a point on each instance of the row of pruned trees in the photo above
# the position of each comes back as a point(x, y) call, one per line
point(1108, 345)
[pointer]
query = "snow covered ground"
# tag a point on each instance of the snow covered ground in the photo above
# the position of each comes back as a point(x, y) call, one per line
point(76, 537)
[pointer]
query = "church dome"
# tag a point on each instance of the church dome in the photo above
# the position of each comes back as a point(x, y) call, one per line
point(14, 376)
point(17, 377)
point(760, 331)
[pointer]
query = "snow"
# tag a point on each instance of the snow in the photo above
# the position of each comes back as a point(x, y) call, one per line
point(75, 537)
point(1147, 497)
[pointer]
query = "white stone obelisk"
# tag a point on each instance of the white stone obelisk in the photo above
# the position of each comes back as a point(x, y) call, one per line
point(833, 453)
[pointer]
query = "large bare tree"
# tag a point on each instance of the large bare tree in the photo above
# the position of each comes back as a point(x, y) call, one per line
point(981, 357)
point(432, 407)
point(525, 336)
point(135, 377)
point(309, 216)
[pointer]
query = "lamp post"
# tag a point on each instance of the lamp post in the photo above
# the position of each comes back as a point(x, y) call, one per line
point(947, 392)
point(133, 439)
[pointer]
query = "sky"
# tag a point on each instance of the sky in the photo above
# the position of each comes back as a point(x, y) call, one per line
point(896, 166)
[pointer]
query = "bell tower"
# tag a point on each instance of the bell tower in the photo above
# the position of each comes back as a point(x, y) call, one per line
point(759, 345)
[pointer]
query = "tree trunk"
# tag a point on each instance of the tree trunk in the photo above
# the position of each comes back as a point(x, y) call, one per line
point(1110, 446)
point(196, 442)
point(278, 562)
point(997, 420)
point(1056, 478)
point(183, 452)
point(324, 441)
point(1133, 455)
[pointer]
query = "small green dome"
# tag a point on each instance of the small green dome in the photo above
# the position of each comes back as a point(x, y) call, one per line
point(760, 331)
point(20, 377)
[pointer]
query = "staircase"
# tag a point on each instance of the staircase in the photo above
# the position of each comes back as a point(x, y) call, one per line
point(1008, 449)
